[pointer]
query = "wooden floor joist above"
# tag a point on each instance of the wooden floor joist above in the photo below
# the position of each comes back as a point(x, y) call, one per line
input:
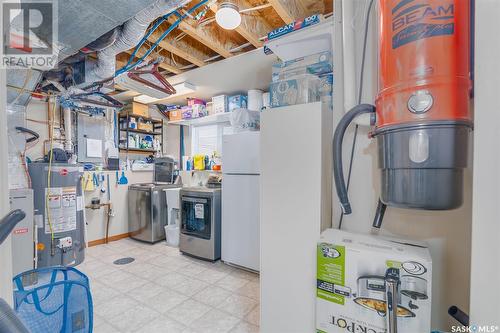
point(252, 26)
point(201, 35)
point(166, 64)
point(289, 10)
point(180, 49)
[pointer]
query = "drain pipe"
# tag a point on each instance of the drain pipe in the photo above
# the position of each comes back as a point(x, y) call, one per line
point(129, 35)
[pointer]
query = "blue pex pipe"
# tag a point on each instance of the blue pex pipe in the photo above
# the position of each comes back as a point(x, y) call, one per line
point(162, 37)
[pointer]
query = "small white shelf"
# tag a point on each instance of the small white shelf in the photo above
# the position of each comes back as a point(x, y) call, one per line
point(207, 120)
point(301, 43)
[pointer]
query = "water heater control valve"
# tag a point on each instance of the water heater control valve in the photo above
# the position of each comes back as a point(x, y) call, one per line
point(65, 242)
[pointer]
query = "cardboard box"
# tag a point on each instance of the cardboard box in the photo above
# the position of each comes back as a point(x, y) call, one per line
point(138, 109)
point(351, 286)
point(174, 115)
point(220, 104)
point(237, 102)
point(210, 108)
point(316, 64)
point(299, 90)
point(145, 126)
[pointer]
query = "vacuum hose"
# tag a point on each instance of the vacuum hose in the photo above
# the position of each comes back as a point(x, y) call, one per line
point(8, 223)
point(459, 315)
point(338, 138)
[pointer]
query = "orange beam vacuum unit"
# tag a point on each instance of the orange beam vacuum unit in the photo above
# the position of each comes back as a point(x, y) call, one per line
point(422, 118)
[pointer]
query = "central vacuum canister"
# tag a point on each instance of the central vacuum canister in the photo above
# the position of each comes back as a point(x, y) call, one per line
point(422, 119)
point(422, 109)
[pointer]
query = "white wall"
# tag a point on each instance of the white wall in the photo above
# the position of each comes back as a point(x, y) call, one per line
point(6, 247)
point(485, 270)
point(448, 233)
point(96, 219)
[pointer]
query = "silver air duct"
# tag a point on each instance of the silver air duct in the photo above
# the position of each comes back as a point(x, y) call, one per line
point(129, 35)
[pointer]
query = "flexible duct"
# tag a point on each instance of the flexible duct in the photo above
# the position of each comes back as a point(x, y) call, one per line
point(129, 35)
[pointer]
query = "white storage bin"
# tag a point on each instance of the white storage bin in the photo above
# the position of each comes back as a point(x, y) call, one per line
point(172, 233)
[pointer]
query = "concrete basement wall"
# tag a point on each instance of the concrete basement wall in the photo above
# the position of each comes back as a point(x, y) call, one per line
point(447, 232)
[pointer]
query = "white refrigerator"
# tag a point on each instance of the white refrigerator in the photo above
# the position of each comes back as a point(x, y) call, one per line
point(241, 200)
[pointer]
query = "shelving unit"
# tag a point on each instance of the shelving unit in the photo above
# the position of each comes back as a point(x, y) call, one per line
point(157, 131)
point(207, 120)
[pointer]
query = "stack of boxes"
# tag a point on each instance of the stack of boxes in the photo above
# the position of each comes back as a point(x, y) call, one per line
point(303, 80)
point(224, 103)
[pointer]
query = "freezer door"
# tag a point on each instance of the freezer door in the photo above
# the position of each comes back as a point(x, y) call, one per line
point(241, 220)
point(241, 153)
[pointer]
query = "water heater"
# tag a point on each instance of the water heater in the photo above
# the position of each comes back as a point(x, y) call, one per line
point(59, 222)
point(422, 119)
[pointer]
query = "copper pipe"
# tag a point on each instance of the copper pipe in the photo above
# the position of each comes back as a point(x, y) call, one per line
point(108, 212)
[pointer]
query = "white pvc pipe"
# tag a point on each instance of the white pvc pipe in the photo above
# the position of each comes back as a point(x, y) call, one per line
point(348, 55)
point(349, 62)
point(68, 143)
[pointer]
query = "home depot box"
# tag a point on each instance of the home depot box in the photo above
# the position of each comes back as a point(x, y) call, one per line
point(351, 288)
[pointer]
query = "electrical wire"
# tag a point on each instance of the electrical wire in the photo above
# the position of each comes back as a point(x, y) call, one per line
point(24, 90)
point(360, 95)
point(51, 154)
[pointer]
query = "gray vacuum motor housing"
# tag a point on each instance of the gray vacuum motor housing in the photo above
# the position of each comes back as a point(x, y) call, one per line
point(433, 183)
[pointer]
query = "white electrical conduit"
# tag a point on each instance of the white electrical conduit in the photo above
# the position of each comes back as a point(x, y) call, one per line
point(68, 143)
point(349, 63)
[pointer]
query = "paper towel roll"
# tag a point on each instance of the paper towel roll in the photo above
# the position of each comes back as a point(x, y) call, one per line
point(255, 100)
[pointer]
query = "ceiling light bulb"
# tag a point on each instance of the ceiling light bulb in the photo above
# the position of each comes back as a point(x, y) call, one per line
point(228, 16)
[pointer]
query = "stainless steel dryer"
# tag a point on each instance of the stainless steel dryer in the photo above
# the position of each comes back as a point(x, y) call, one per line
point(200, 234)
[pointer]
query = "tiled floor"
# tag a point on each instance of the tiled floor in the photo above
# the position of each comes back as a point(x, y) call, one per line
point(165, 291)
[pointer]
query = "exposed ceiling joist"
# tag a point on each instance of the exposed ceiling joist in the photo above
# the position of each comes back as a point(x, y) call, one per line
point(289, 10)
point(201, 35)
point(252, 27)
point(165, 64)
point(180, 49)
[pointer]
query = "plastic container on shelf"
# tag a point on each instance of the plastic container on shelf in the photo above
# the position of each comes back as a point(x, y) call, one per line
point(317, 64)
point(298, 90)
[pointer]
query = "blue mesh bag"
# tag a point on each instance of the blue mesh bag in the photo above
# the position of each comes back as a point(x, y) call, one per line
point(54, 300)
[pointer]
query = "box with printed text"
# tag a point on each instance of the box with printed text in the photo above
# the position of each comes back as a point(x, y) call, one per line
point(352, 283)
